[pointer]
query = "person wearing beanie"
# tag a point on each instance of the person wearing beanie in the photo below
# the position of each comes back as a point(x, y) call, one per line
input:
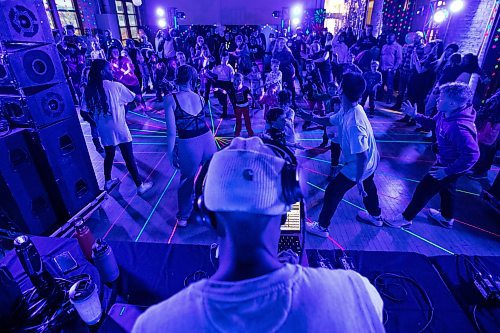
point(457, 152)
point(194, 144)
point(359, 157)
point(252, 289)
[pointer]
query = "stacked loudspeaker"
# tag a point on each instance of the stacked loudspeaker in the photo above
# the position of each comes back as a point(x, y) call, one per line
point(46, 175)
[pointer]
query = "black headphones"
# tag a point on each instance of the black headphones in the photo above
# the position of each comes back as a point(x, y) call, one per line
point(290, 185)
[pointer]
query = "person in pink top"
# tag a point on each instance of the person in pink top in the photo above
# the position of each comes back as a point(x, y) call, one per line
point(123, 72)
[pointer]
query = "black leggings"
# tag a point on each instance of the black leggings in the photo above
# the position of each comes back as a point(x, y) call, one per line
point(128, 156)
point(228, 87)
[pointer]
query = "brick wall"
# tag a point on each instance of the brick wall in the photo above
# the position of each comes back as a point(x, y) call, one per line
point(467, 27)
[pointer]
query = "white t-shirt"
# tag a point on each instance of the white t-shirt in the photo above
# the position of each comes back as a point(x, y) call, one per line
point(224, 72)
point(291, 299)
point(112, 127)
point(355, 135)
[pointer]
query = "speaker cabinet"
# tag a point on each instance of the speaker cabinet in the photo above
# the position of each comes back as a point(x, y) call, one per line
point(25, 204)
point(64, 161)
point(30, 66)
point(24, 21)
point(41, 109)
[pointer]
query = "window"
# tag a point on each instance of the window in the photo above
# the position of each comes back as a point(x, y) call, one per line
point(127, 19)
point(335, 17)
point(68, 15)
point(50, 14)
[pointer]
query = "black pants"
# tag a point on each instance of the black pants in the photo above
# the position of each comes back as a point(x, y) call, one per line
point(388, 80)
point(128, 156)
point(486, 158)
point(335, 151)
point(404, 77)
point(228, 87)
point(208, 86)
point(93, 126)
point(418, 89)
point(290, 85)
point(336, 190)
point(299, 65)
point(370, 95)
point(495, 187)
point(429, 187)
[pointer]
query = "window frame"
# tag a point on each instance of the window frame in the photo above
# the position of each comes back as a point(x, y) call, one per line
point(129, 29)
point(75, 10)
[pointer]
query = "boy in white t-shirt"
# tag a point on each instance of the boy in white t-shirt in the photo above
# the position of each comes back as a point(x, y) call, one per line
point(224, 84)
point(359, 157)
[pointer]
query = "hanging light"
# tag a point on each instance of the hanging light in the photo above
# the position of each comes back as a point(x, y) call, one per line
point(297, 10)
point(457, 6)
point(137, 3)
point(440, 16)
point(160, 12)
point(162, 23)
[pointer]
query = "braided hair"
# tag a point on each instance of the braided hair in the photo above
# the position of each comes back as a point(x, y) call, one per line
point(95, 97)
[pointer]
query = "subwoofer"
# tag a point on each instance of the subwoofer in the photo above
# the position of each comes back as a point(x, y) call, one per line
point(39, 110)
point(30, 67)
point(25, 203)
point(62, 157)
point(24, 21)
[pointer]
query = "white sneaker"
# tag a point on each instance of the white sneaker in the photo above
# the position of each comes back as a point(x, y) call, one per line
point(398, 222)
point(315, 229)
point(108, 186)
point(144, 187)
point(182, 222)
point(375, 220)
point(435, 215)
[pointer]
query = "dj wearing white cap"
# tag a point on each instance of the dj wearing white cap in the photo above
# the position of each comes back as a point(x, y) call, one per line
point(246, 192)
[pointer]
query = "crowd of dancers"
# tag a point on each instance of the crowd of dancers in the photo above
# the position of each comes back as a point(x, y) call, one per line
point(323, 77)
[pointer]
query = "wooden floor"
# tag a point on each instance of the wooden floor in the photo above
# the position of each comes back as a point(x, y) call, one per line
point(405, 158)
